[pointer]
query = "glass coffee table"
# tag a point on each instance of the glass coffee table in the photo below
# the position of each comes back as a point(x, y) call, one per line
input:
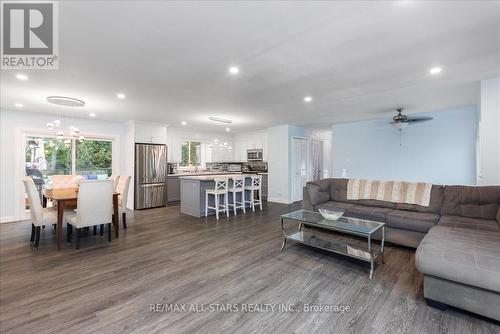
point(344, 225)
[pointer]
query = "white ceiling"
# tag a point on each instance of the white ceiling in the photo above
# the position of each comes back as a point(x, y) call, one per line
point(358, 60)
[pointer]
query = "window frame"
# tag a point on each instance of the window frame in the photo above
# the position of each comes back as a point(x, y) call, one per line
point(189, 143)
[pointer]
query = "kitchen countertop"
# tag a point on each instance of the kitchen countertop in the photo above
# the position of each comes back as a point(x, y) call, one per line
point(202, 173)
point(211, 173)
point(212, 176)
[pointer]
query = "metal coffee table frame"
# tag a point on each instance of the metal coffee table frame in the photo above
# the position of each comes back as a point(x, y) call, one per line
point(350, 226)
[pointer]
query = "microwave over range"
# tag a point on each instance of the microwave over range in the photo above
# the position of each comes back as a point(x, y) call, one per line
point(254, 155)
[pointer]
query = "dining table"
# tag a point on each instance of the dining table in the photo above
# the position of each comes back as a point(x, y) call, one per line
point(68, 198)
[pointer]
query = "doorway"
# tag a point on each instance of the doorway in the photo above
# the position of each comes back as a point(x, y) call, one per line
point(300, 166)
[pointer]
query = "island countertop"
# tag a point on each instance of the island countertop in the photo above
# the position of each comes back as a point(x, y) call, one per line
point(211, 177)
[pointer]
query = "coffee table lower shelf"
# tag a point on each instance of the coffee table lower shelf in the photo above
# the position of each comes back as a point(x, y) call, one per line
point(336, 246)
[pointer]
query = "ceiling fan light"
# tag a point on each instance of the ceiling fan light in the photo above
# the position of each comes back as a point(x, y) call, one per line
point(400, 125)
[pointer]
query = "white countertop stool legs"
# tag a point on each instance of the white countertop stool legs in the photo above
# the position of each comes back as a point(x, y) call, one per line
point(221, 187)
point(254, 188)
point(238, 187)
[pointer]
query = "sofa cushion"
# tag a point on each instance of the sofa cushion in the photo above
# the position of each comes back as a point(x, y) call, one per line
point(462, 255)
point(338, 189)
point(470, 223)
point(473, 202)
point(435, 204)
point(334, 206)
point(411, 221)
point(368, 212)
point(318, 191)
point(374, 202)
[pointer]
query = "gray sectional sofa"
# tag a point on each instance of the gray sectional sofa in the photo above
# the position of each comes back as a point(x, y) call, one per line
point(457, 238)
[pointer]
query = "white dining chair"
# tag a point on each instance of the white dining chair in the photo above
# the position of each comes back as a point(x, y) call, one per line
point(255, 188)
point(122, 188)
point(221, 186)
point(95, 207)
point(115, 179)
point(238, 187)
point(39, 216)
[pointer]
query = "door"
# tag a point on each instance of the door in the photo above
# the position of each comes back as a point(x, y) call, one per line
point(317, 160)
point(300, 167)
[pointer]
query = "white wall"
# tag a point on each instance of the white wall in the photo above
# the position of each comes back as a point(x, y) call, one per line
point(489, 133)
point(278, 164)
point(12, 126)
point(279, 145)
point(441, 151)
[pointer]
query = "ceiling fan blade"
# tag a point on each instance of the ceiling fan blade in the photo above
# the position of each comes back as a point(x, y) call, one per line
point(420, 119)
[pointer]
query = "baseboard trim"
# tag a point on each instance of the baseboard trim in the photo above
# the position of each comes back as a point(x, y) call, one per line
point(278, 200)
point(7, 219)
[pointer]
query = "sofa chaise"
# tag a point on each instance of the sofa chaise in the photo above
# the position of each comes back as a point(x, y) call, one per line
point(457, 238)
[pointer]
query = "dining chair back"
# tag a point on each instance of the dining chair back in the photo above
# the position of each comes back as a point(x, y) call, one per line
point(115, 179)
point(122, 188)
point(39, 216)
point(36, 210)
point(95, 203)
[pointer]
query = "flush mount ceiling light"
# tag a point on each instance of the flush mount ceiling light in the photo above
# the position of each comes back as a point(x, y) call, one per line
point(308, 99)
point(435, 70)
point(228, 129)
point(184, 123)
point(65, 101)
point(19, 105)
point(234, 70)
point(22, 77)
point(92, 114)
point(121, 96)
point(220, 120)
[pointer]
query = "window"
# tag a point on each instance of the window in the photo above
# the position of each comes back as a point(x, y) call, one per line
point(190, 153)
point(47, 156)
point(93, 157)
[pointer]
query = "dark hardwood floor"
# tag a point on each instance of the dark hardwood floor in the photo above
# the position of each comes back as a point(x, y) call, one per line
point(166, 257)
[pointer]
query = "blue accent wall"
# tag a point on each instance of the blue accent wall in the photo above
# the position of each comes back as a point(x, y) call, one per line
point(441, 151)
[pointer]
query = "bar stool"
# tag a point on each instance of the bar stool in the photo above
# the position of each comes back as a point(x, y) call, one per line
point(254, 187)
point(238, 187)
point(220, 189)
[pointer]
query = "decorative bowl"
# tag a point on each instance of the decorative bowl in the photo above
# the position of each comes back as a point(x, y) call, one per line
point(331, 215)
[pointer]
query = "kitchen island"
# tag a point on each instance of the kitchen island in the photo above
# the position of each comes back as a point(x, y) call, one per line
point(193, 192)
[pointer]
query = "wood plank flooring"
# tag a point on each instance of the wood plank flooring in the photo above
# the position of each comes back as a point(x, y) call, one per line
point(166, 257)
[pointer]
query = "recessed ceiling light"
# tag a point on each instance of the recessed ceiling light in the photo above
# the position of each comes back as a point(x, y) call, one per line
point(184, 123)
point(92, 114)
point(121, 96)
point(435, 70)
point(19, 105)
point(21, 76)
point(228, 129)
point(234, 70)
point(308, 99)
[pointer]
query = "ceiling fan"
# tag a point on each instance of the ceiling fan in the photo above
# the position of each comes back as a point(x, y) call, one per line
point(401, 121)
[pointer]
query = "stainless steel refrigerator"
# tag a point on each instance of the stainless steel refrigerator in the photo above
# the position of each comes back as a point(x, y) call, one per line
point(150, 176)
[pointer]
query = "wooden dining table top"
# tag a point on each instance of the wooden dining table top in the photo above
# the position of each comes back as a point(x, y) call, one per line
point(60, 194)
